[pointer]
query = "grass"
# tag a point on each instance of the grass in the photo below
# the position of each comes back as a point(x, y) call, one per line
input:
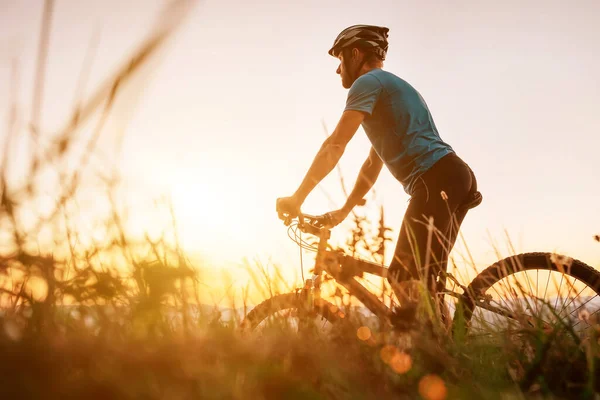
point(136, 331)
point(92, 312)
point(140, 353)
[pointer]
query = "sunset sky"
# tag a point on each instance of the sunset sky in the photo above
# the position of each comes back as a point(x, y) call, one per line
point(233, 113)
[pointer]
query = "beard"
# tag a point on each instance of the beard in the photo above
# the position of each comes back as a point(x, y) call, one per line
point(346, 81)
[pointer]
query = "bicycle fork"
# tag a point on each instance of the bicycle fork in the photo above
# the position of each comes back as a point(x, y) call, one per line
point(312, 286)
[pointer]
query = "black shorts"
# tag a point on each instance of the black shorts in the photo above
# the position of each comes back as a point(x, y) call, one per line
point(439, 193)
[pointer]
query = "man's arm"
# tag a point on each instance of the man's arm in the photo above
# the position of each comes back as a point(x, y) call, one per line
point(367, 176)
point(330, 152)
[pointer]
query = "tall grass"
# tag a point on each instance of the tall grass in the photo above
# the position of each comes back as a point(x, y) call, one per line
point(94, 312)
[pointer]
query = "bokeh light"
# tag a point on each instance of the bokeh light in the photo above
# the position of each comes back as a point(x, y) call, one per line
point(363, 333)
point(432, 387)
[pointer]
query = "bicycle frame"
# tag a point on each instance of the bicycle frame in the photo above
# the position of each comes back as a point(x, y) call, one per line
point(344, 269)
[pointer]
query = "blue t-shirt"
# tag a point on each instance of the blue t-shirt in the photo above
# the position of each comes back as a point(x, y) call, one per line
point(399, 125)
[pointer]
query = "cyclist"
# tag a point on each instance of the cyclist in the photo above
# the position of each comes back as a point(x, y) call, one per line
point(404, 137)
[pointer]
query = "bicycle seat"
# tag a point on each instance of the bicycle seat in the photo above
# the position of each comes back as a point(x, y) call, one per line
point(472, 201)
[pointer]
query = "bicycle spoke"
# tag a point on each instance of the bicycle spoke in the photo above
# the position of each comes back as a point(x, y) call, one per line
point(580, 321)
point(566, 298)
point(531, 291)
point(547, 282)
point(506, 289)
point(573, 299)
point(527, 302)
point(485, 323)
point(499, 311)
point(490, 323)
point(557, 297)
point(577, 309)
point(537, 276)
point(510, 315)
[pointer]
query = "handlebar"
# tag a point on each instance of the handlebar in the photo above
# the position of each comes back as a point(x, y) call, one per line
point(313, 223)
point(319, 220)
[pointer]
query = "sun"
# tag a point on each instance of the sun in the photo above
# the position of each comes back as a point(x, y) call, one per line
point(209, 214)
point(202, 204)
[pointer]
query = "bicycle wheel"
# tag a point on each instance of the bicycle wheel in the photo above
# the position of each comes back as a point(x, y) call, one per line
point(540, 290)
point(292, 310)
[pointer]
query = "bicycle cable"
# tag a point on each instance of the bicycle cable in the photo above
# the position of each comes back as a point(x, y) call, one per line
point(303, 245)
point(301, 262)
point(296, 238)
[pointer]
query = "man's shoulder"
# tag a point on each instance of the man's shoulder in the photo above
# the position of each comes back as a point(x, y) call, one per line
point(370, 78)
point(368, 81)
point(386, 76)
point(385, 79)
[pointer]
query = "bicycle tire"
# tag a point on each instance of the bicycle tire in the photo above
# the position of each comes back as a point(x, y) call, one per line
point(289, 301)
point(513, 265)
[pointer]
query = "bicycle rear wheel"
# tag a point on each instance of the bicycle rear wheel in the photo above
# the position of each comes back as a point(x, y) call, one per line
point(293, 310)
point(540, 290)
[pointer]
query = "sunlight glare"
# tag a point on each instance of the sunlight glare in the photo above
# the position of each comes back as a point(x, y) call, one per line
point(210, 213)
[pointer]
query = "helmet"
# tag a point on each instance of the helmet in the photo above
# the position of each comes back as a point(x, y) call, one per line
point(369, 37)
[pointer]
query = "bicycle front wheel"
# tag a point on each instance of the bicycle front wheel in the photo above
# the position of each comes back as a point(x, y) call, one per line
point(293, 311)
point(532, 289)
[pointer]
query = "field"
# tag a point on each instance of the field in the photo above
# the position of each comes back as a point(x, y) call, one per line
point(90, 310)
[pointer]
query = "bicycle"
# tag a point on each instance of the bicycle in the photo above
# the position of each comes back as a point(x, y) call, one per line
point(480, 298)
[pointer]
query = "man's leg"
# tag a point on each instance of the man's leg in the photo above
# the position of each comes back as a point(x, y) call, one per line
point(423, 247)
point(423, 243)
point(454, 225)
point(451, 236)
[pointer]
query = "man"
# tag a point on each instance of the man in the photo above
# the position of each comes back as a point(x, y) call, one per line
point(404, 137)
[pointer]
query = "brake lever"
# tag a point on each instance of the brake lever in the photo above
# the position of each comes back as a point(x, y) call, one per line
point(321, 221)
point(300, 217)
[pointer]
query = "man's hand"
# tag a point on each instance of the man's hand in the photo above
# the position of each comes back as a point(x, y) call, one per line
point(338, 216)
point(288, 207)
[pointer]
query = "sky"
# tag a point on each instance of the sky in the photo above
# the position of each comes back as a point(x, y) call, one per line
point(235, 109)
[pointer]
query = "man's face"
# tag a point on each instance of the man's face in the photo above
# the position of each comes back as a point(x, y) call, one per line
point(341, 70)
